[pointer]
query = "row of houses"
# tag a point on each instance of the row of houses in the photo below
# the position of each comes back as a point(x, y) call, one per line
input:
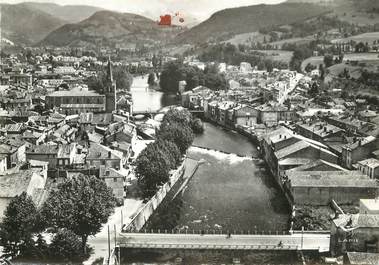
point(309, 173)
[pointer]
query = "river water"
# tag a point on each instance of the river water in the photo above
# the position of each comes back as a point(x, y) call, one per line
point(147, 99)
point(228, 192)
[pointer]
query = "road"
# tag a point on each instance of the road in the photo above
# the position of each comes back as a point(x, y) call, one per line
point(99, 243)
point(299, 241)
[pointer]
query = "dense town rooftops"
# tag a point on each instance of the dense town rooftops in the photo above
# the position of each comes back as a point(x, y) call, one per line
point(321, 129)
point(43, 149)
point(75, 93)
point(360, 142)
point(97, 151)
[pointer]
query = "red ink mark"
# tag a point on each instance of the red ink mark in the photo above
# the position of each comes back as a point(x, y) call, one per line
point(165, 20)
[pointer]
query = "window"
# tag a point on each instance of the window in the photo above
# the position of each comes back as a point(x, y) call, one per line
point(114, 179)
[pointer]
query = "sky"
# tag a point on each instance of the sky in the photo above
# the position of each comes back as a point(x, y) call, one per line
point(201, 9)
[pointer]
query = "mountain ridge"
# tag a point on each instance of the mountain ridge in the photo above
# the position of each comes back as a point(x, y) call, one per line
point(107, 27)
point(231, 21)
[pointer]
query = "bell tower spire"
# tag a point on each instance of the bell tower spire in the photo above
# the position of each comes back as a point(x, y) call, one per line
point(109, 70)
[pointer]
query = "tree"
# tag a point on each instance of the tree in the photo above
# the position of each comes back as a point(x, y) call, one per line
point(121, 76)
point(197, 126)
point(309, 67)
point(152, 169)
point(151, 79)
point(179, 115)
point(314, 89)
point(81, 204)
point(328, 60)
point(180, 134)
point(171, 150)
point(19, 224)
point(66, 246)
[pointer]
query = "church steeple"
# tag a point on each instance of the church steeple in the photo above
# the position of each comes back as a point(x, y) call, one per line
point(109, 70)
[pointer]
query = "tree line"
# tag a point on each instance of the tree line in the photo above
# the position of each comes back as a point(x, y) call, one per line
point(175, 71)
point(173, 138)
point(73, 211)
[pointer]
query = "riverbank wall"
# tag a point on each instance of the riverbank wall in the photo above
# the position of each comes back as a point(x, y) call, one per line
point(139, 220)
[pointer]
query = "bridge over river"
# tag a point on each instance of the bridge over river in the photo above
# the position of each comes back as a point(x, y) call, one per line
point(296, 241)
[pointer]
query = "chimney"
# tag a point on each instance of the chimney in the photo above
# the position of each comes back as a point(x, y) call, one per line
point(360, 143)
point(109, 154)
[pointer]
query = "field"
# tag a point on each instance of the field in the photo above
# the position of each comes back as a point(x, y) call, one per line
point(303, 40)
point(247, 38)
point(277, 55)
point(369, 37)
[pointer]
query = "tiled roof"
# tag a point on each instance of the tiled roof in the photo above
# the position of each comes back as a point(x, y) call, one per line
point(98, 151)
point(330, 179)
point(291, 149)
point(43, 149)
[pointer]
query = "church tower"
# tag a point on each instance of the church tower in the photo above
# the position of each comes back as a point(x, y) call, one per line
point(110, 90)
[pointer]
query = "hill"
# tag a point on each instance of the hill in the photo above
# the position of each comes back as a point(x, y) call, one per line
point(107, 28)
point(229, 22)
point(363, 12)
point(24, 24)
point(69, 13)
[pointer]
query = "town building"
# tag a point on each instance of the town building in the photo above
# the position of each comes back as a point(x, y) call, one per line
point(360, 149)
point(370, 167)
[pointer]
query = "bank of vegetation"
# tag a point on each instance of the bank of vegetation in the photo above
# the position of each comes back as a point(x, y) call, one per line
point(74, 211)
point(176, 71)
point(174, 137)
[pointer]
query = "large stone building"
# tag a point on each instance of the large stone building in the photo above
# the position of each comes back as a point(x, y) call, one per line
point(79, 100)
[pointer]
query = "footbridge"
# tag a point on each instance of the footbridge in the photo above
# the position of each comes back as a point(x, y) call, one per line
point(295, 241)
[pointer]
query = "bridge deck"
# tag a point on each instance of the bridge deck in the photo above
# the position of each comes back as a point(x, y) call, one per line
point(305, 241)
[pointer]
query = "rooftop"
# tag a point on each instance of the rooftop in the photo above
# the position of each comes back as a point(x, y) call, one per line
point(75, 93)
point(370, 162)
point(43, 149)
point(98, 151)
point(321, 129)
point(330, 179)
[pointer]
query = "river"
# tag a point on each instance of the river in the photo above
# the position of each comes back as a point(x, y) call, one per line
point(228, 192)
point(147, 99)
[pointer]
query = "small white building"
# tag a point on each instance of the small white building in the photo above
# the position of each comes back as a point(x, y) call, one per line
point(370, 167)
